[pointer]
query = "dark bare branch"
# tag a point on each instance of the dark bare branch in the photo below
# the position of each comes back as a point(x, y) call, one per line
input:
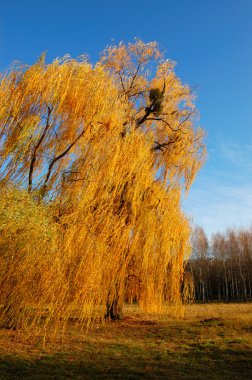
point(61, 155)
point(34, 156)
point(162, 146)
point(134, 76)
point(121, 80)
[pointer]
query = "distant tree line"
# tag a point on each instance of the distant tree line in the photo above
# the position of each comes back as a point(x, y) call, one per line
point(221, 269)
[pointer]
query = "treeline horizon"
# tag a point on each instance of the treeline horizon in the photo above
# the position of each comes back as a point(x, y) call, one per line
point(220, 268)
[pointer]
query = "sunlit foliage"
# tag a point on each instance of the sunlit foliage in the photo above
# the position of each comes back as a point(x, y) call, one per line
point(103, 155)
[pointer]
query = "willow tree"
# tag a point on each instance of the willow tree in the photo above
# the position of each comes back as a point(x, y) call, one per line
point(107, 150)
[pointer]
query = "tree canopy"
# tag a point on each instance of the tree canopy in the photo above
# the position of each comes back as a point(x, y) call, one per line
point(106, 151)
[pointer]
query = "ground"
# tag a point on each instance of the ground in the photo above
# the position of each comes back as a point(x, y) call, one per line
point(212, 341)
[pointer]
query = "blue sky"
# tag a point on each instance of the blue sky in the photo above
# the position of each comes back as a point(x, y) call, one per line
point(211, 41)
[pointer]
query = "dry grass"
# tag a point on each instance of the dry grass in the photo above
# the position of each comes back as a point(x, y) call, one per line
point(212, 340)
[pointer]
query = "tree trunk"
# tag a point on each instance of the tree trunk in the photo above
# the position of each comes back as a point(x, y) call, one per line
point(114, 304)
point(114, 310)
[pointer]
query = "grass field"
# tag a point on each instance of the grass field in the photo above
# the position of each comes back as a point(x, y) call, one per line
point(212, 342)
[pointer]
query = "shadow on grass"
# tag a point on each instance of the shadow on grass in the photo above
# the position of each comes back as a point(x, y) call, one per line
point(119, 361)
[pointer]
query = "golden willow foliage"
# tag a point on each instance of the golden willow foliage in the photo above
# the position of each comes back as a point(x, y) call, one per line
point(29, 262)
point(102, 154)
